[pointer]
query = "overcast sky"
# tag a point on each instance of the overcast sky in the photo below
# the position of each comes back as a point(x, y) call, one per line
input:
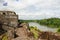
point(32, 9)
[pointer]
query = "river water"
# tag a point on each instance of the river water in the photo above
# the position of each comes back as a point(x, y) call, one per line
point(42, 28)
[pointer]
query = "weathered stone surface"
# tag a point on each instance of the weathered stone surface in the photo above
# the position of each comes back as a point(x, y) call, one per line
point(8, 18)
point(22, 33)
point(49, 36)
point(8, 21)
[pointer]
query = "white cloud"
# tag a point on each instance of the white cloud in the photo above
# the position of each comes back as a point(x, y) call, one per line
point(21, 4)
point(31, 8)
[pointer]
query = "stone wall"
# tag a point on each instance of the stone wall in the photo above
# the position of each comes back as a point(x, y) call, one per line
point(9, 21)
point(9, 18)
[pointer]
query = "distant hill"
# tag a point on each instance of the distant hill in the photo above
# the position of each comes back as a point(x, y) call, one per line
point(51, 22)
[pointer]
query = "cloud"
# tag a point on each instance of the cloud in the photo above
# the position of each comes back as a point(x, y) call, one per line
point(1, 1)
point(33, 8)
point(5, 4)
point(21, 3)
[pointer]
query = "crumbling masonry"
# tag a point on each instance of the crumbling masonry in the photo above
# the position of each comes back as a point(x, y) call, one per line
point(8, 21)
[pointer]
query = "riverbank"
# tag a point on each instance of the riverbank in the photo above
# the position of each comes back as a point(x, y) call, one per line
point(42, 28)
point(50, 22)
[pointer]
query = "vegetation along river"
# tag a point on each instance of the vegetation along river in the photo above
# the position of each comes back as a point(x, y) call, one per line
point(42, 28)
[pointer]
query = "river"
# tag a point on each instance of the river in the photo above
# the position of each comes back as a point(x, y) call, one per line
point(42, 28)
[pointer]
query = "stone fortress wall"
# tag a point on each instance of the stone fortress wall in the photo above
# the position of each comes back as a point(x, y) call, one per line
point(8, 18)
point(8, 21)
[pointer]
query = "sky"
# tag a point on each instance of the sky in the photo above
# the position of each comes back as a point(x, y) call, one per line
point(32, 9)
